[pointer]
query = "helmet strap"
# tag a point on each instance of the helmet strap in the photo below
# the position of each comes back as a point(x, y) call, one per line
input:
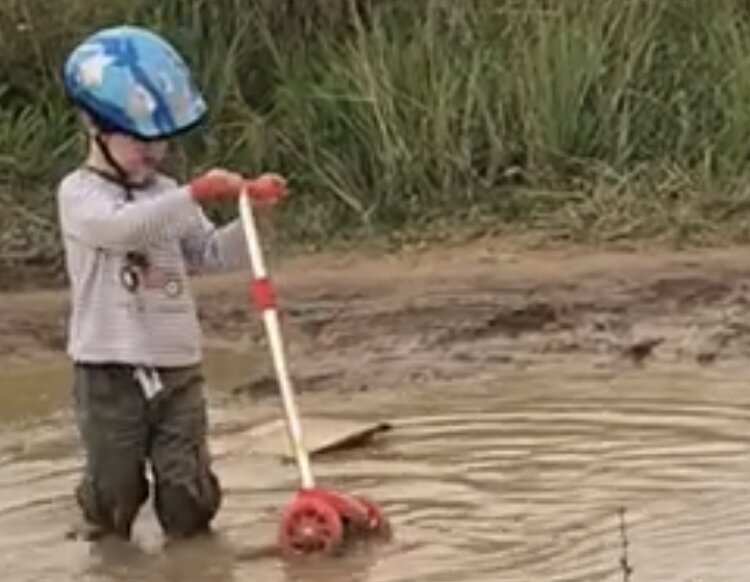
point(132, 258)
point(122, 176)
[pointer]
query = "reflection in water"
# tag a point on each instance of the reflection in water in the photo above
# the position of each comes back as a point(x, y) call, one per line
point(511, 479)
point(353, 566)
point(116, 561)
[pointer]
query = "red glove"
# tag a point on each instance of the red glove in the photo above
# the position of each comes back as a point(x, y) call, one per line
point(216, 185)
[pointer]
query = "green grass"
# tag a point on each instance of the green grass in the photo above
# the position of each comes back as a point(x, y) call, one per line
point(588, 120)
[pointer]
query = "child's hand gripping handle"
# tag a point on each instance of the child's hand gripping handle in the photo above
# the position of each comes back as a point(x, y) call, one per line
point(220, 184)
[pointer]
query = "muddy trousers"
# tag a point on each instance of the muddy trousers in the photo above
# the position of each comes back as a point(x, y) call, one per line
point(123, 433)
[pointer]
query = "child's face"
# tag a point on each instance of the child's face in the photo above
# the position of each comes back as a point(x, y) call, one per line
point(139, 159)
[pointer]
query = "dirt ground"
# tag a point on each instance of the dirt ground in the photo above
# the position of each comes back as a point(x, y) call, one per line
point(450, 311)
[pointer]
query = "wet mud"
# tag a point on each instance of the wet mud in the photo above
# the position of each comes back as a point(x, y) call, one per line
point(563, 416)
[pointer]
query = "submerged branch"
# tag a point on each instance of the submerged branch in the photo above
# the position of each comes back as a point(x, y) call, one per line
point(627, 569)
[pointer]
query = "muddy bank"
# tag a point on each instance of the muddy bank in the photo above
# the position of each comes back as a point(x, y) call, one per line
point(440, 314)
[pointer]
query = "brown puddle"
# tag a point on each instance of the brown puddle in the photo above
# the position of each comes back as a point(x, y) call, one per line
point(514, 476)
point(556, 419)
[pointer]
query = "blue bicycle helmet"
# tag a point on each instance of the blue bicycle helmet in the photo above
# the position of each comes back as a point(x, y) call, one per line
point(131, 81)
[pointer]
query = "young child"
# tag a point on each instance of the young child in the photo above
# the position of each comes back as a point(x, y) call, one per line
point(131, 236)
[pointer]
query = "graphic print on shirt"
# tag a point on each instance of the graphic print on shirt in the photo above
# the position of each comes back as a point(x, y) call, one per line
point(139, 272)
point(131, 271)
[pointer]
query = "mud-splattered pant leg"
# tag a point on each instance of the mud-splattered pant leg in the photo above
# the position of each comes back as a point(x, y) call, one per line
point(111, 417)
point(187, 493)
point(121, 431)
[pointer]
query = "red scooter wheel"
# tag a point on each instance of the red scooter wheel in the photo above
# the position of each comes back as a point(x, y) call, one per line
point(310, 526)
point(377, 522)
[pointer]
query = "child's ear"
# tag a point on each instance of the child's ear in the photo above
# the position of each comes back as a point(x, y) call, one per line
point(86, 122)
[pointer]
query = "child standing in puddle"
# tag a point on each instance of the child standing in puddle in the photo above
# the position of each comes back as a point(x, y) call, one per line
point(131, 235)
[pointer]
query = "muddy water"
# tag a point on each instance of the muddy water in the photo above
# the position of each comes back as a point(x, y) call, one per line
point(548, 475)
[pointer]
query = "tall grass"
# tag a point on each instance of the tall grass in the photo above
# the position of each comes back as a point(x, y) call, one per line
point(590, 119)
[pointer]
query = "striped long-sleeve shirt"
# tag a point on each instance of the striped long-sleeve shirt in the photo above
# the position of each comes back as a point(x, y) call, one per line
point(126, 310)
